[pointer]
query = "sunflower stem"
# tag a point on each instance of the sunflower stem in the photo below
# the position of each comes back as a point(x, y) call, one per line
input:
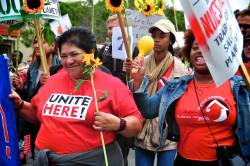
point(40, 44)
point(97, 110)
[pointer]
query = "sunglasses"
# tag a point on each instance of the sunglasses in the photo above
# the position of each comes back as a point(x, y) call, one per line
point(246, 43)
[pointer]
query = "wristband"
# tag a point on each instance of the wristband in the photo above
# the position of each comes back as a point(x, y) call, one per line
point(20, 106)
point(123, 125)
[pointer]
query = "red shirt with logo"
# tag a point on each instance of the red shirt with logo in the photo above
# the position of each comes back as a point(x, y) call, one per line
point(219, 109)
point(67, 117)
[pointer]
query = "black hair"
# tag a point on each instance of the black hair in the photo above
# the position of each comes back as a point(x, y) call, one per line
point(80, 37)
point(172, 40)
point(20, 58)
point(188, 42)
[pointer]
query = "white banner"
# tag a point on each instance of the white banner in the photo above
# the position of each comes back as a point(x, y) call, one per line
point(118, 46)
point(218, 35)
point(10, 9)
point(140, 23)
point(61, 25)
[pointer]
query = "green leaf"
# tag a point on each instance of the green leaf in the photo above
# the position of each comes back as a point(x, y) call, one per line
point(49, 36)
point(104, 96)
point(78, 85)
point(16, 26)
point(1, 39)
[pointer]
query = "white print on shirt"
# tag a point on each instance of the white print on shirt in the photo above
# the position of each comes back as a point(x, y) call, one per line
point(214, 108)
point(67, 106)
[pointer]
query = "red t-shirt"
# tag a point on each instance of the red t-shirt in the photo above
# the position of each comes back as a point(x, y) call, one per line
point(67, 117)
point(219, 108)
point(247, 67)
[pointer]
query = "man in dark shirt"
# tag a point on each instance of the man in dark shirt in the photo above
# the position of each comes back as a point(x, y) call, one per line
point(105, 54)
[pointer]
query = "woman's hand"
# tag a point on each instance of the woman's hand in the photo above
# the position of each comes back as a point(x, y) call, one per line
point(138, 71)
point(16, 99)
point(106, 121)
point(44, 77)
point(17, 82)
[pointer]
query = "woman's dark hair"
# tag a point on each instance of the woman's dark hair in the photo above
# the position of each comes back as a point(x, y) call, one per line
point(14, 56)
point(170, 47)
point(188, 42)
point(80, 37)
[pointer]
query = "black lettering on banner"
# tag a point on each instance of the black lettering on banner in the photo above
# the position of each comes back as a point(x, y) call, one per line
point(53, 99)
point(8, 7)
point(85, 101)
point(50, 10)
point(10, 4)
point(64, 99)
point(121, 45)
point(14, 6)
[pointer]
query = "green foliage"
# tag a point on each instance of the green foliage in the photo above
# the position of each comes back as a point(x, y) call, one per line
point(49, 35)
point(15, 27)
point(80, 15)
point(104, 96)
point(179, 17)
point(78, 85)
point(1, 39)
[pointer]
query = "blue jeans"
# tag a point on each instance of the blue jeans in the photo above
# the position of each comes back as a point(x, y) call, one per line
point(146, 158)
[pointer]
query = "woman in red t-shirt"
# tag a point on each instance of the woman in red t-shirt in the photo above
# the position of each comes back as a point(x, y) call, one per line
point(200, 115)
point(70, 126)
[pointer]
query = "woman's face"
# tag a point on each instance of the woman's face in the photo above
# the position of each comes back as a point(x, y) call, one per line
point(197, 60)
point(161, 40)
point(71, 57)
point(48, 49)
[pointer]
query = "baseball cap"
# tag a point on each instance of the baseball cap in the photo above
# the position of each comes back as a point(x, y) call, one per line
point(165, 26)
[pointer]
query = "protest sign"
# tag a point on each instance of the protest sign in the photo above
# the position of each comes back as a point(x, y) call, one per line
point(10, 10)
point(140, 23)
point(9, 152)
point(218, 35)
point(61, 25)
point(118, 47)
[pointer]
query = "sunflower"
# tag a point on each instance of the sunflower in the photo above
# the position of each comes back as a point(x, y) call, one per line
point(150, 6)
point(160, 6)
point(33, 6)
point(148, 9)
point(87, 58)
point(115, 6)
point(97, 63)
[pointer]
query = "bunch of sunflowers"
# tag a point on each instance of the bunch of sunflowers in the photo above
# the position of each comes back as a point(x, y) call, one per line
point(89, 64)
point(147, 7)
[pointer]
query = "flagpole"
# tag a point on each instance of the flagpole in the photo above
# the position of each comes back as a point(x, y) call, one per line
point(245, 75)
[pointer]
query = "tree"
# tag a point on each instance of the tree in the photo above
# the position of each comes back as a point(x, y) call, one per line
point(80, 15)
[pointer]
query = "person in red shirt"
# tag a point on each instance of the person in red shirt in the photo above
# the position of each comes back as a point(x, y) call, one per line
point(70, 125)
point(199, 115)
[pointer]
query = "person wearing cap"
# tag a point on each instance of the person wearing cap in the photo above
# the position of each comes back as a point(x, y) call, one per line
point(160, 67)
